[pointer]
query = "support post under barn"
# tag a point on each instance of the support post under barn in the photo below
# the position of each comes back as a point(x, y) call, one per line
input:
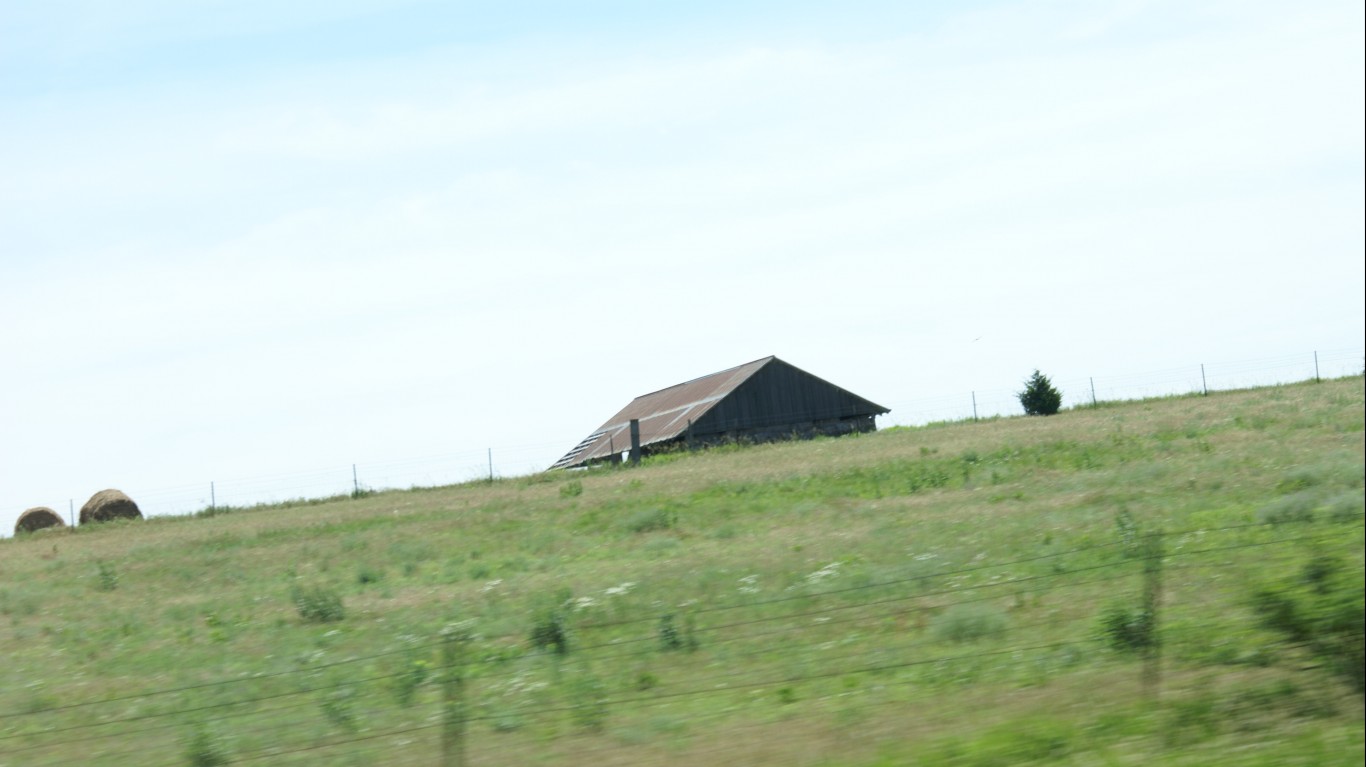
point(635, 441)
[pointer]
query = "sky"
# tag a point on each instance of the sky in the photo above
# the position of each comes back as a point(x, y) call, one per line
point(246, 246)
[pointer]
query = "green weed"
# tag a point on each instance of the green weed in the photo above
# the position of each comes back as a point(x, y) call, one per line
point(204, 749)
point(366, 575)
point(1298, 507)
point(106, 578)
point(408, 679)
point(588, 699)
point(1127, 629)
point(338, 706)
point(317, 604)
point(650, 520)
point(969, 623)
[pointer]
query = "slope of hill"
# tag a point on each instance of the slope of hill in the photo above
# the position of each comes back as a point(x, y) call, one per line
point(967, 594)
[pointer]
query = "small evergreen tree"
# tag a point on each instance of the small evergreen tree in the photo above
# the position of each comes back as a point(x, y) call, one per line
point(1039, 397)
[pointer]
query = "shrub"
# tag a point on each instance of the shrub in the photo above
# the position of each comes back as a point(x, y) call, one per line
point(1346, 507)
point(672, 637)
point(1039, 397)
point(668, 634)
point(1127, 630)
point(366, 575)
point(550, 631)
point(317, 604)
point(1322, 610)
point(1294, 508)
point(204, 750)
point(571, 489)
point(650, 520)
point(969, 623)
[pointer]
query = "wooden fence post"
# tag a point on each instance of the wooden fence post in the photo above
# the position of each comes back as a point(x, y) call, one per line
point(452, 699)
point(1152, 602)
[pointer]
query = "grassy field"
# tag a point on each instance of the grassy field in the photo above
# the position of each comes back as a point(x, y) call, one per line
point(956, 594)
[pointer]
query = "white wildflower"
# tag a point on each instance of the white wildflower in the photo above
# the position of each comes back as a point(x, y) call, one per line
point(827, 572)
point(622, 590)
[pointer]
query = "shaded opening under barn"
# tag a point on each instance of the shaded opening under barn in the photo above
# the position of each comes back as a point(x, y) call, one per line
point(761, 401)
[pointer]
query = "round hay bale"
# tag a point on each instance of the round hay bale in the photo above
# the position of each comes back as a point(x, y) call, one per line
point(38, 518)
point(108, 505)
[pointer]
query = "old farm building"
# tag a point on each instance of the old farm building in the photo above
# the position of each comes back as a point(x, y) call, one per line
point(761, 401)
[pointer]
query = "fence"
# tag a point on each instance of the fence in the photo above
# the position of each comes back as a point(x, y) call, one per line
point(1190, 379)
point(451, 468)
point(724, 682)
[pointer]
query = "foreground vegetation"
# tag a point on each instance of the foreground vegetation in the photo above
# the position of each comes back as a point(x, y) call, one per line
point(959, 594)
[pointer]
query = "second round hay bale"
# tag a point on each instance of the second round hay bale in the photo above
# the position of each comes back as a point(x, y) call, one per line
point(38, 518)
point(107, 505)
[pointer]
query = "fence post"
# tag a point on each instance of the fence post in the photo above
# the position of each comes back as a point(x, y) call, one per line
point(1316, 367)
point(974, 406)
point(355, 481)
point(1152, 602)
point(490, 465)
point(452, 699)
point(213, 498)
point(71, 511)
point(1093, 391)
point(1204, 386)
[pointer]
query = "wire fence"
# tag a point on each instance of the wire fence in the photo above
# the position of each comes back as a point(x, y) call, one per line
point(701, 682)
point(1189, 379)
point(463, 466)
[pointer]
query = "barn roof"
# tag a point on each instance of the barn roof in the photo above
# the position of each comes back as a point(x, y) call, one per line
point(665, 414)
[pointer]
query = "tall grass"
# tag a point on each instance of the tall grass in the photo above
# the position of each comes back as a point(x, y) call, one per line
point(837, 602)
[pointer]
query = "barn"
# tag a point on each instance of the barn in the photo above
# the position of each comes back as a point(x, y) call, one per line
point(760, 401)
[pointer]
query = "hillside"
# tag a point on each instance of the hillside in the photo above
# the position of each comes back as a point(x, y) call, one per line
point(956, 594)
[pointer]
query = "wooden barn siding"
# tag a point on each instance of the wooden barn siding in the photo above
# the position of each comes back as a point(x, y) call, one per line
point(779, 395)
